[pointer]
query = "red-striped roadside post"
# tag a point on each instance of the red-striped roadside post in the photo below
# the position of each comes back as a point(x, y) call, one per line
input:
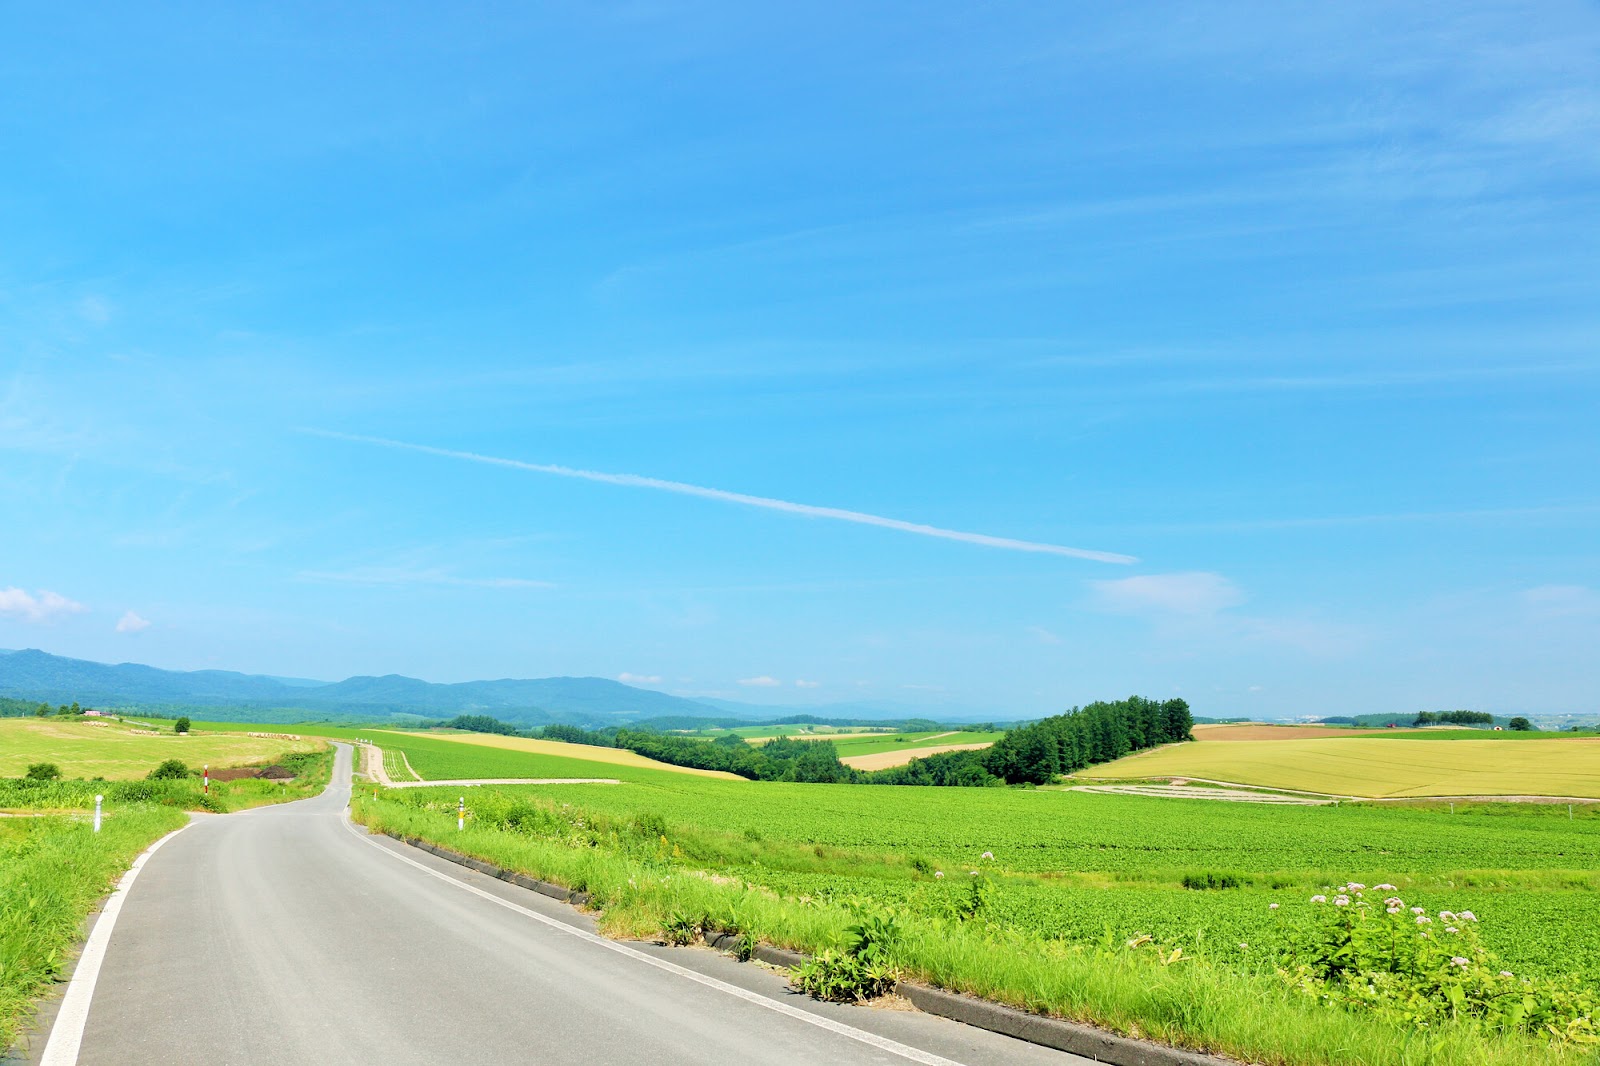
point(205, 779)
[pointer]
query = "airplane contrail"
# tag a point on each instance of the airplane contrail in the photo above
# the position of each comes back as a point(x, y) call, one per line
point(787, 506)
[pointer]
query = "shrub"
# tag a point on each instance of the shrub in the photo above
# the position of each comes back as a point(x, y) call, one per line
point(43, 771)
point(863, 970)
point(1209, 879)
point(840, 977)
point(171, 770)
point(181, 725)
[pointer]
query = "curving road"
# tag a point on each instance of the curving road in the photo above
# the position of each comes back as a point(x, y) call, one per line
point(286, 935)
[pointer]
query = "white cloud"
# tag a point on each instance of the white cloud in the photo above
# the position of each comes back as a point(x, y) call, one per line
point(132, 623)
point(1562, 601)
point(807, 684)
point(1194, 593)
point(94, 309)
point(41, 606)
point(760, 682)
point(1043, 635)
point(639, 679)
point(809, 510)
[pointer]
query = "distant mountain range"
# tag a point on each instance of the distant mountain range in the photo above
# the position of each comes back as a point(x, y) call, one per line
point(224, 694)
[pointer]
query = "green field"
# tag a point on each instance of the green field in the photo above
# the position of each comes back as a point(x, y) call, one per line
point(88, 748)
point(1073, 877)
point(1082, 863)
point(1381, 766)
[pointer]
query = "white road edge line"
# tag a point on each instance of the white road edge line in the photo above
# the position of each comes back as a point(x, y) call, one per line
point(66, 1035)
point(882, 1043)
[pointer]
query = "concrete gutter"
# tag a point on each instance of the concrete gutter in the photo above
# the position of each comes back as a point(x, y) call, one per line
point(1072, 1037)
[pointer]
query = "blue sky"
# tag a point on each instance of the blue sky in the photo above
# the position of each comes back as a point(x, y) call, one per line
point(1296, 305)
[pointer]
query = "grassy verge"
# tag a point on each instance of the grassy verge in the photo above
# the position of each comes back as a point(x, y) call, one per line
point(53, 870)
point(645, 876)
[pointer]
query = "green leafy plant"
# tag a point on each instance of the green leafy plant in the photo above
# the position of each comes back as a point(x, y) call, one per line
point(863, 970)
point(43, 771)
point(840, 977)
point(681, 930)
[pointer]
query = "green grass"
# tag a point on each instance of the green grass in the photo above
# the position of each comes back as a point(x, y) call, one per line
point(84, 747)
point(803, 896)
point(53, 871)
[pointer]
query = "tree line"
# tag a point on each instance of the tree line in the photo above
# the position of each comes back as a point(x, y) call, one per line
point(1030, 754)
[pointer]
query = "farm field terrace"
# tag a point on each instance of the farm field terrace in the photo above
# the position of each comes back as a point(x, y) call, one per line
point(1080, 867)
point(1380, 767)
point(94, 748)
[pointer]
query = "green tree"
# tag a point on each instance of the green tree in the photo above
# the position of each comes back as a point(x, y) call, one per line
point(171, 770)
point(1520, 724)
point(181, 725)
point(43, 771)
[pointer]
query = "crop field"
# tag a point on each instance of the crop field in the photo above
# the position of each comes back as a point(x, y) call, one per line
point(1243, 731)
point(893, 742)
point(767, 732)
point(115, 752)
point(449, 756)
point(1078, 867)
point(1380, 766)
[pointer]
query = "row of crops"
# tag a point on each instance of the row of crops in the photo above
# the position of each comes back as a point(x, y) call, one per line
point(1083, 867)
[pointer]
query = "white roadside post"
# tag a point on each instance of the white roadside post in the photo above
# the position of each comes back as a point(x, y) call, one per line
point(461, 814)
point(97, 801)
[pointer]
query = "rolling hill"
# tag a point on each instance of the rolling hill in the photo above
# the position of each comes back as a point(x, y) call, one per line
point(226, 695)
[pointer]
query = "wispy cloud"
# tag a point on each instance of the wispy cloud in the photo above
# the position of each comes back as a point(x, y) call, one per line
point(132, 623)
point(384, 575)
point(1194, 593)
point(1043, 635)
point(639, 679)
point(787, 506)
point(39, 606)
point(1562, 601)
point(760, 682)
point(802, 683)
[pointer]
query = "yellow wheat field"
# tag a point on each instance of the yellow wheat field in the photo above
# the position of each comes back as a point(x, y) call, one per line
point(1380, 767)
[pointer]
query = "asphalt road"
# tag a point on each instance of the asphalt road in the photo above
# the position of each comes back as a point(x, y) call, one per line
point(283, 936)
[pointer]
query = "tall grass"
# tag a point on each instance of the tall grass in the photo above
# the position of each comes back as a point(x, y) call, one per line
point(642, 878)
point(52, 872)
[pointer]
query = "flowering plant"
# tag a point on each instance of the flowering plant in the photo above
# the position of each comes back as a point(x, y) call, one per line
point(1402, 963)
